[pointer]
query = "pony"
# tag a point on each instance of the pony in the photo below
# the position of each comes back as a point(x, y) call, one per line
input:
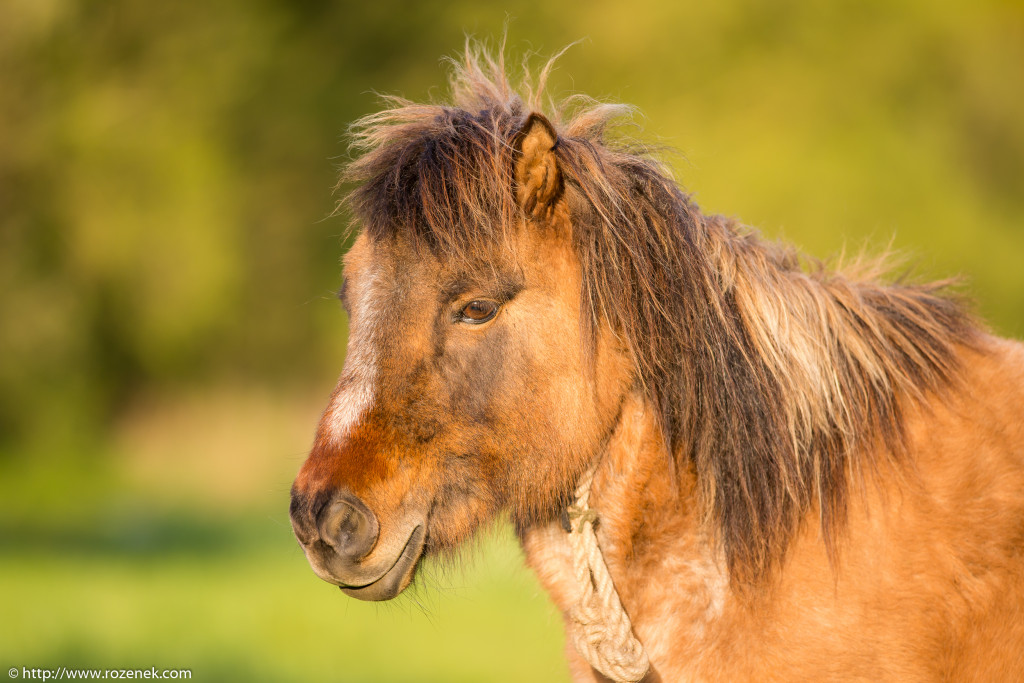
point(723, 460)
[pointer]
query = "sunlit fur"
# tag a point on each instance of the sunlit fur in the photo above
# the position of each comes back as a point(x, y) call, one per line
point(805, 473)
point(768, 378)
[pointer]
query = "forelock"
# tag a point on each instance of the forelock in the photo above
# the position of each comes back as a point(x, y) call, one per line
point(442, 173)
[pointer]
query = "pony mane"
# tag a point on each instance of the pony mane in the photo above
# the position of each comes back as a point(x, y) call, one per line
point(776, 383)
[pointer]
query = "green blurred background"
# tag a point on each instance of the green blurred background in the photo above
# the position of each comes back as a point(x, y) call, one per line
point(167, 268)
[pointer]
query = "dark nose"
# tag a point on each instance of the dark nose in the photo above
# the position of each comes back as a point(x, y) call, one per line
point(348, 526)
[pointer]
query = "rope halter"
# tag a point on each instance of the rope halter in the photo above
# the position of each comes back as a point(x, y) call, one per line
point(598, 625)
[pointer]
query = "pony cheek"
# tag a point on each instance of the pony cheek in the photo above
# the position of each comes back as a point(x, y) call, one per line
point(460, 507)
point(477, 384)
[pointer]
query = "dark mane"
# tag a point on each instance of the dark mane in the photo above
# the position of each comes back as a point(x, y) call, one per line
point(774, 382)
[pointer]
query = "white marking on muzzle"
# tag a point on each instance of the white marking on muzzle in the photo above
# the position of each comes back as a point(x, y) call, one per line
point(357, 386)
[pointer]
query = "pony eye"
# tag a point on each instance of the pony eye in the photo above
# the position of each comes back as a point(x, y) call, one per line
point(479, 311)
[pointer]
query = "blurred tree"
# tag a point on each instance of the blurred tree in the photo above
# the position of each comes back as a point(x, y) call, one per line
point(166, 167)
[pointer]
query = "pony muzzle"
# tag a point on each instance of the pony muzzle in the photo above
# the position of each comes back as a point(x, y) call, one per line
point(343, 542)
point(398, 576)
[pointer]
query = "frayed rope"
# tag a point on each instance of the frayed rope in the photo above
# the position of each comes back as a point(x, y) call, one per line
point(598, 624)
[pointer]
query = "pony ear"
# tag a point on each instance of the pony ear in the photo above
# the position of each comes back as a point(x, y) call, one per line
point(538, 180)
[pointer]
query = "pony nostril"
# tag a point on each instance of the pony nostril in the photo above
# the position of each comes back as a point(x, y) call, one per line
point(298, 512)
point(347, 525)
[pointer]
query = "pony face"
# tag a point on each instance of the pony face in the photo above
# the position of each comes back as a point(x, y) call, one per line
point(469, 388)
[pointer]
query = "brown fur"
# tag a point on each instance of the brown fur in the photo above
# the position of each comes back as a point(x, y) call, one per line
point(765, 377)
point(728, 394)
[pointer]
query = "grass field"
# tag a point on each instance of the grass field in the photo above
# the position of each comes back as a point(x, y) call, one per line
point(252, 610)
point(109, 563)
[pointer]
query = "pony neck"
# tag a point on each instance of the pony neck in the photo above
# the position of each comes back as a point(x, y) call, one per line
point(643, 497)
point(646, 510)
